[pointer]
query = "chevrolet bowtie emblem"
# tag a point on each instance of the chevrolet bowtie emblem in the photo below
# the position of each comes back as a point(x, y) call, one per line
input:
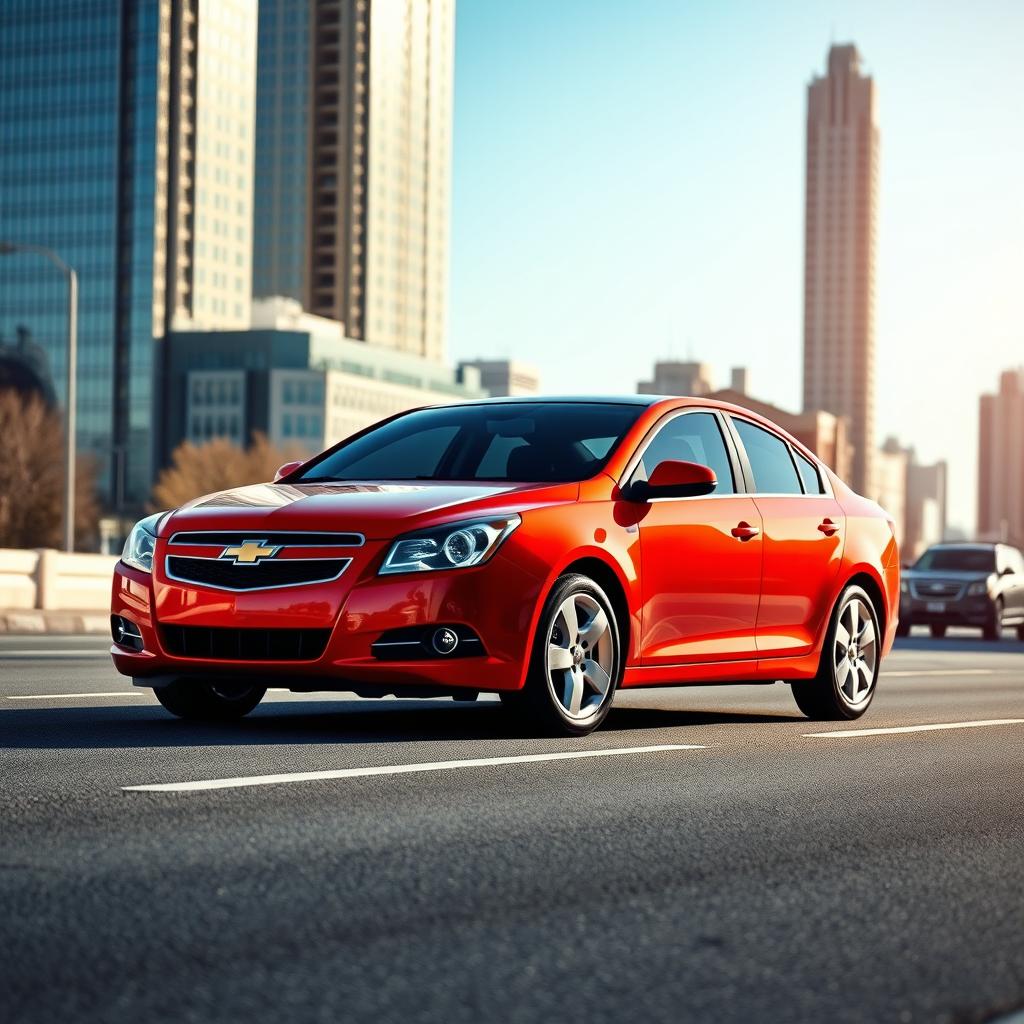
point(250, 552)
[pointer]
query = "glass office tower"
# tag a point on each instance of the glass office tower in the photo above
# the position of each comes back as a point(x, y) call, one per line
point(126, 146)
point(280, 234)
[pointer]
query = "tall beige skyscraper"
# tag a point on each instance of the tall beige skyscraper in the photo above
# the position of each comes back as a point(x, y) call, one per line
point(1001, 461)
point(839, 253)
point(364, 89)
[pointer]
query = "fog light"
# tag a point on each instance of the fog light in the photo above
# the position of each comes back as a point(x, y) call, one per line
point(125, 633)
point(444, 640)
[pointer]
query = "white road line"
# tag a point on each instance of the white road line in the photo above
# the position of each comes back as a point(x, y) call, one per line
point(943, 672)
point(398, 769)
point(918, 728)
point(73, 696)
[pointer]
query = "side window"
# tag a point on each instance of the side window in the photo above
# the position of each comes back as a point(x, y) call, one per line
point(774, 472)
point(692, 437)
point(809, 474)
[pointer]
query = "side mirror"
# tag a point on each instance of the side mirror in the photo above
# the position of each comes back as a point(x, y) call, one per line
point(286, 470)
point(671, 479)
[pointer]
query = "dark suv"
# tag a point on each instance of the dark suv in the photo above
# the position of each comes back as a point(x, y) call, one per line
point(964, 585)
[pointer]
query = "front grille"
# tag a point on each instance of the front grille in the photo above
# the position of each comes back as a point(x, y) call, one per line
point(225, 575)
point(936, 590)
point(245, 644)
point(289, 538)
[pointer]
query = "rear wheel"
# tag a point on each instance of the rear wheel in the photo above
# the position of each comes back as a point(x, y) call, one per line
point(992, 630)
point(938, 631)
point(576, 663)
point(202, 700)
point(848, 670)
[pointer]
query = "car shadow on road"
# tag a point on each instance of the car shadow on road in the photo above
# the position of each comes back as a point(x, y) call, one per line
point(324, 722)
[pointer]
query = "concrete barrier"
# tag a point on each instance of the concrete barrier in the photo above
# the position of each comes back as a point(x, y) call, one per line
point(54, 580)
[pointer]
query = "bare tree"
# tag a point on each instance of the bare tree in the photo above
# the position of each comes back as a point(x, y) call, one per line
point(32, 476)
point(215, 466)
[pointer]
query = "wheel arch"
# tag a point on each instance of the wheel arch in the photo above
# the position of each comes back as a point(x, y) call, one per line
point(873, 588)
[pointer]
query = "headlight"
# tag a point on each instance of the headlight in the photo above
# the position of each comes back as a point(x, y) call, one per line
point(904, 587)
point(455, 546)
point(141, 543)
point(978, 588)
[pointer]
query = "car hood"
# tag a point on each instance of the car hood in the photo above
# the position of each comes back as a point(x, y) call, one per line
point(376, 510)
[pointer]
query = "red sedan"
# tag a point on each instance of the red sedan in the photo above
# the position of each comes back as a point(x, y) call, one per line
point(551, 551)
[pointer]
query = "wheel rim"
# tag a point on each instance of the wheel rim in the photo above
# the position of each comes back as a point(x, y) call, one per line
point(856, 653)
point(580, 657)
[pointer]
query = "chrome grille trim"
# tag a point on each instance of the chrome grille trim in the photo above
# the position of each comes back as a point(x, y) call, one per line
point(937, 590)
point(283, 538)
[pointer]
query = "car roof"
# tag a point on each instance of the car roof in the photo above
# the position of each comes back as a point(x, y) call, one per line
point(643, 400)
point(966, 545)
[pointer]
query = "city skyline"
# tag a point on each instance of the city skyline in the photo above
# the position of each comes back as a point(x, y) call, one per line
point(645, 180)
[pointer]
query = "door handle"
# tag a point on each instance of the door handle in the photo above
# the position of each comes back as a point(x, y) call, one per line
point(827, 527)
point(744, 531)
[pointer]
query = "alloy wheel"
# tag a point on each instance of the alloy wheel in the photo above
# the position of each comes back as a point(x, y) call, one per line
point(580, 657)
point(855, 655)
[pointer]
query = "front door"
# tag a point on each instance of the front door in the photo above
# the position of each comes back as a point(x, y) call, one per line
point(700, 557)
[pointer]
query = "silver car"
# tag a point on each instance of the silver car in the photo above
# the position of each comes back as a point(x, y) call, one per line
point(964, 585)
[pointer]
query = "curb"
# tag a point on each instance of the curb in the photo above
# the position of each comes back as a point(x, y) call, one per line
point(29, 621)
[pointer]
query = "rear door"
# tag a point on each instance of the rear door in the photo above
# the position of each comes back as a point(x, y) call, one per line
point(803, 540)
point(700, 557)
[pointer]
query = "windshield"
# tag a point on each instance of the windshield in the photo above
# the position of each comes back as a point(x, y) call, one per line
point(957, 560)
point(542, 442)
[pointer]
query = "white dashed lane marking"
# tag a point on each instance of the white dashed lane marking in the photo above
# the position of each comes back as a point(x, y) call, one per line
point(399, 769)
point(892, 730)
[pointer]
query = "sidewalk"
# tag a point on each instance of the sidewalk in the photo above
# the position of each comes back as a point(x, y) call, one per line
point(30, 620)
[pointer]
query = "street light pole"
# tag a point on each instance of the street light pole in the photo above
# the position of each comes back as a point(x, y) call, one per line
point(72, 381)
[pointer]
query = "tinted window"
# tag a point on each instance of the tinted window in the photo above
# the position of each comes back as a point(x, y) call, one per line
point(957, 560)
point(774, 472)
point(809, 474)
point(527, 441)
point(693, 437)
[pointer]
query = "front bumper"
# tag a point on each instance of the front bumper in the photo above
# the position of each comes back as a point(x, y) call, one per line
point(496, 601)
point(967, 611)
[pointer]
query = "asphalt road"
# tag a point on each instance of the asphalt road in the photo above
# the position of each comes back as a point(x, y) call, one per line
point(757, 867)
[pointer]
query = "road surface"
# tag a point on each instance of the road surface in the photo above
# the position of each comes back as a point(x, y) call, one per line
point(720, 859)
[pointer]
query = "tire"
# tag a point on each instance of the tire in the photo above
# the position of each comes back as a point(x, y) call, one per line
point(993, 629)
point(938, 631)
point(1020, 632)
point(835, 695)
point(569, 693)
point(903, 626)
point(205, 701)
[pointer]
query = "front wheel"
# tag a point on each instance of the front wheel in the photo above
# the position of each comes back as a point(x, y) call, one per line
point(206, 701)
point(850, 658)
point(938, 631)
point(576, 663)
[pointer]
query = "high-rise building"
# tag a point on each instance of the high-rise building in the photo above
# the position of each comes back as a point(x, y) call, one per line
point(504, 378)
point(127, 148)
point(839, 263)
point(675, 378)
point(1001, 461)
point(354, 148)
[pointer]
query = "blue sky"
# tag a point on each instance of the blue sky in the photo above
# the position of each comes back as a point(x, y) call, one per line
point(628, 186)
